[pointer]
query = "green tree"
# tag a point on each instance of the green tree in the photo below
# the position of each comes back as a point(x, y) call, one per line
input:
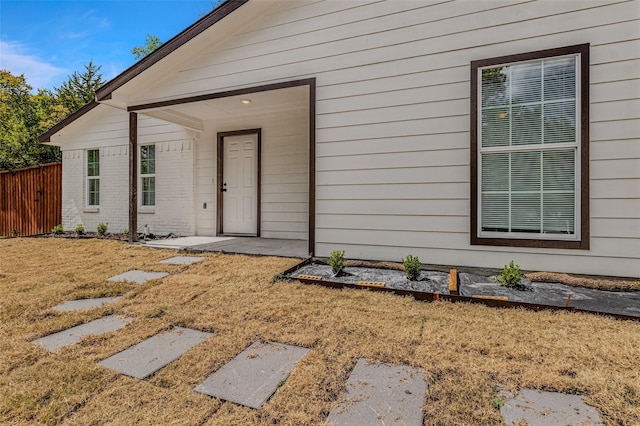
point(80, 88)
point(24, 115)
point(150, 44)
point(21, 117)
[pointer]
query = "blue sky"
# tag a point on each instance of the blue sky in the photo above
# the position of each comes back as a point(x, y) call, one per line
point(48, 40)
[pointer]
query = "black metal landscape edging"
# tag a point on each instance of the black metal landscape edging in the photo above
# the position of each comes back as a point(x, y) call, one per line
point(430, 297)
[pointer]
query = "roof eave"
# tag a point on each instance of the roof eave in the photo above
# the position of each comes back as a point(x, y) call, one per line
point(105, 91)
point(46, 136)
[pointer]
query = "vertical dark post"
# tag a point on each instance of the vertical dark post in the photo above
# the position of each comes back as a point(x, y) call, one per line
point(312, 167)
point(133, 173)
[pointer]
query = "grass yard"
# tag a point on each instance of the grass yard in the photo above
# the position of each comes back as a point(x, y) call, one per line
point(468, 351)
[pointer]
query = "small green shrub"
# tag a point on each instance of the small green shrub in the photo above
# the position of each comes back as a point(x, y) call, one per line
point(58, 230)
point(102, 229)
point(125, 231)
point(510, 276)
point(79, 229)
point(336, 261)
point(497, 403)
point(412, 267)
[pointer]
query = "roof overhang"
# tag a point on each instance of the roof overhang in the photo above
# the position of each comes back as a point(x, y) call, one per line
point(46, 136)
point(105, 92)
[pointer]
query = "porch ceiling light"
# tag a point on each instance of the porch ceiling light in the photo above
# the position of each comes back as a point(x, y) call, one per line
point(245, 101)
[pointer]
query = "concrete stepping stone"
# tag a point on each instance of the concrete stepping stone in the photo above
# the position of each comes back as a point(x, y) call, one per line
point(72, 335)
point(381, 394)
point(537, 408)
point(138, 277)
point(182, 260)
point(152, 354)
point(253, 376)
point(85, 304)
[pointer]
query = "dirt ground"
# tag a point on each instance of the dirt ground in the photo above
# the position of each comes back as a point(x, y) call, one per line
point(469, 352)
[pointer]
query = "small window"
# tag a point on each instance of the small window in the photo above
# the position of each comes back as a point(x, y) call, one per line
point(148, 175)
point(529, 149)
point(93, 177)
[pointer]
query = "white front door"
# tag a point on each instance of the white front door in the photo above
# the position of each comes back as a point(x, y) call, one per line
point(240, 185)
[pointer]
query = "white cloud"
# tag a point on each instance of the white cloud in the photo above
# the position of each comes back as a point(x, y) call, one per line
point(15, 58)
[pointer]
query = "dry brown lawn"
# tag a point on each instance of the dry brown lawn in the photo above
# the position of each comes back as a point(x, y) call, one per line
point(469, 352)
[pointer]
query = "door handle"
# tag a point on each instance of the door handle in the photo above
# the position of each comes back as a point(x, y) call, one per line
point(224, 187)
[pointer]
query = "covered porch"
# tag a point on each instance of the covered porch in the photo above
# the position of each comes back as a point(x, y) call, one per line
point(259, 200)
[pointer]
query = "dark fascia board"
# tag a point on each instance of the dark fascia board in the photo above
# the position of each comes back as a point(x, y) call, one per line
point(46, 136)
point(105, 91)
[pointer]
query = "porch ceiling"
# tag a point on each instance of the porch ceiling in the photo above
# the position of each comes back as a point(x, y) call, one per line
point(195, 114)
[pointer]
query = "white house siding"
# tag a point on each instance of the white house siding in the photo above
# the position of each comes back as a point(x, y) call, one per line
point(108, 131)
point(285, 173)
point(393, 117)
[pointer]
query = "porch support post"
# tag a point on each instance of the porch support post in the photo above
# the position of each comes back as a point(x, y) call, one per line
point(312, 166)
point(133, 173)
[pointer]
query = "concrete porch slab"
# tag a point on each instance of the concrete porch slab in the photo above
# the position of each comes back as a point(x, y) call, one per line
point(537, 408)
point(381, 394)
point(182, 260)
point(103, 325)
point(152, 354)
point(253, 376)
point(184, 242)
point(138, 277)
point(85, 304)
point(258, 246)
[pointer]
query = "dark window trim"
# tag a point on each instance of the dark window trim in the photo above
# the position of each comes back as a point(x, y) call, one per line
point(583, 243)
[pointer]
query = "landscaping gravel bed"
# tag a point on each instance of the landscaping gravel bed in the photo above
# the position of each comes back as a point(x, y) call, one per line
point(551, 294)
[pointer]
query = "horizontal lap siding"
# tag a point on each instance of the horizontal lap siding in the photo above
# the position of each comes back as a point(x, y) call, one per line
point(392, 139)
point(284, 178)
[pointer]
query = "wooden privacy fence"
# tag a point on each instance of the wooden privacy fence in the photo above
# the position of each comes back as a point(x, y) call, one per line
point(30, 200)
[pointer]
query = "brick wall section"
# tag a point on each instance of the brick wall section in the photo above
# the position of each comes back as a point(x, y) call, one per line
point(174, 190)
point(173, 212)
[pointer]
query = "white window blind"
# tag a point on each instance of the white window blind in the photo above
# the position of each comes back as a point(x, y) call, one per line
point(148, 175)
point(93, 177)
point(528, 149)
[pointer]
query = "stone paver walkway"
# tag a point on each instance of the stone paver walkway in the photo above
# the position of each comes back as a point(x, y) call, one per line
point(381, 394)
point(376, 393)
point(152, 354)
point(66, 337)
point(182, 260)
point(85, 304)
point(253, 376)
point(537, 408)
point(138, 277)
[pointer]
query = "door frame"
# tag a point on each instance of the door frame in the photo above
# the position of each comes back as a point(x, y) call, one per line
point(220, 176)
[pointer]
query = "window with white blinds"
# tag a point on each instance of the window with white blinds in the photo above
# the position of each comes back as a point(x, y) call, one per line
point(148, 175)
point(93, 178)
point(528, 145)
